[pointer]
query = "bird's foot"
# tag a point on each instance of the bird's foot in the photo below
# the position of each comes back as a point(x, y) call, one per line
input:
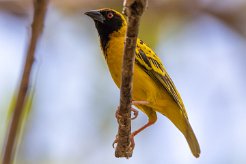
point(135, 112)
point(118, 116)
point(131, 144)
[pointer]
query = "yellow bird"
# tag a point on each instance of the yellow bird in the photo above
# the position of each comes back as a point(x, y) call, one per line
point(153, 90)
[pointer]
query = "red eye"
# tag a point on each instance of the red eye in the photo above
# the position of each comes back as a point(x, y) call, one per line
point(110, 15)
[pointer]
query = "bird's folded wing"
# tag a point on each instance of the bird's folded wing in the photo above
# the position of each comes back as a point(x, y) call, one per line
point(152, 65)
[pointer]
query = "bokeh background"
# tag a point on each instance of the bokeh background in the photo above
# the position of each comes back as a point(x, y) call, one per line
point(202, 43)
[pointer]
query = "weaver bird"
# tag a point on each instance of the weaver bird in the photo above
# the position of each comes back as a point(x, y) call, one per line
point(153, 89)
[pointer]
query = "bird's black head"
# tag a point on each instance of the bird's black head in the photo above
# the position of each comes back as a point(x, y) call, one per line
point(107, 22)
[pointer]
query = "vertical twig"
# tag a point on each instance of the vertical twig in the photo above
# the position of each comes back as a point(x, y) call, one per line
point(40, 7)
point(133, 9)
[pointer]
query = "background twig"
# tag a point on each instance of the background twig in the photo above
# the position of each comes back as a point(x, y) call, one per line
point(37, 26)
point(133, 9)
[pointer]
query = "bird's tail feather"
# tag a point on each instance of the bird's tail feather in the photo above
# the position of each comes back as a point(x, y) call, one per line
point(192, 141)
point(182, 123)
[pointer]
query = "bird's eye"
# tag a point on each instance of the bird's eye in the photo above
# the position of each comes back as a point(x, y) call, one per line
point(110, 15)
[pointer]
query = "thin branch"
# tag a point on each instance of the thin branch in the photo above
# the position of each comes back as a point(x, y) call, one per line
point(133, 9)
point(40, 7)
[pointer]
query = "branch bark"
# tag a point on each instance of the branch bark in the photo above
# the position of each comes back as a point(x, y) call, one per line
point(133, 9)
point(40, 7)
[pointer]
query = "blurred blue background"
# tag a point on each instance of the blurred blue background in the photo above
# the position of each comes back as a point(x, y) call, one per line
point(202, 43)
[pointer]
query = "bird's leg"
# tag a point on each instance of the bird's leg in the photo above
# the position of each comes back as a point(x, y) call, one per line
point(140, 102)
point(133, 134)
point(135, 113)
point(132, 143)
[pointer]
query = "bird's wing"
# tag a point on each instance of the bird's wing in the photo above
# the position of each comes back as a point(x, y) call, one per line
point(152, 65)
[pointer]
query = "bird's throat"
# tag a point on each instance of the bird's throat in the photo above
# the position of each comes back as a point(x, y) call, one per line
point(104, 40)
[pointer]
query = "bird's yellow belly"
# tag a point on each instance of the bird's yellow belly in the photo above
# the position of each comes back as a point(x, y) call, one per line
point(141, 85)
point(144, 88)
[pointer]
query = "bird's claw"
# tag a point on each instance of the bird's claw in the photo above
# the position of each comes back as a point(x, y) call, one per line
point(131, 144)
point(135, 113)
point(118, 116)
point(115, 141)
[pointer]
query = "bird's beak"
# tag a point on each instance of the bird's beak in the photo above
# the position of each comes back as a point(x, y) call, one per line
point(95, 15)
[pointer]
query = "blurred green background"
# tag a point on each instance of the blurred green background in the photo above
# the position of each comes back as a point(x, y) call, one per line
point(202, 43)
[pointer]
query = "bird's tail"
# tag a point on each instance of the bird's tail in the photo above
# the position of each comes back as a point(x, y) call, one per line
point(192, 141)
point(182, 123)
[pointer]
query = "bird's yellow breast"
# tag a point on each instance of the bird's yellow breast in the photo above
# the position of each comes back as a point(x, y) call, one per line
point(114, 55)
point(144, 88)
